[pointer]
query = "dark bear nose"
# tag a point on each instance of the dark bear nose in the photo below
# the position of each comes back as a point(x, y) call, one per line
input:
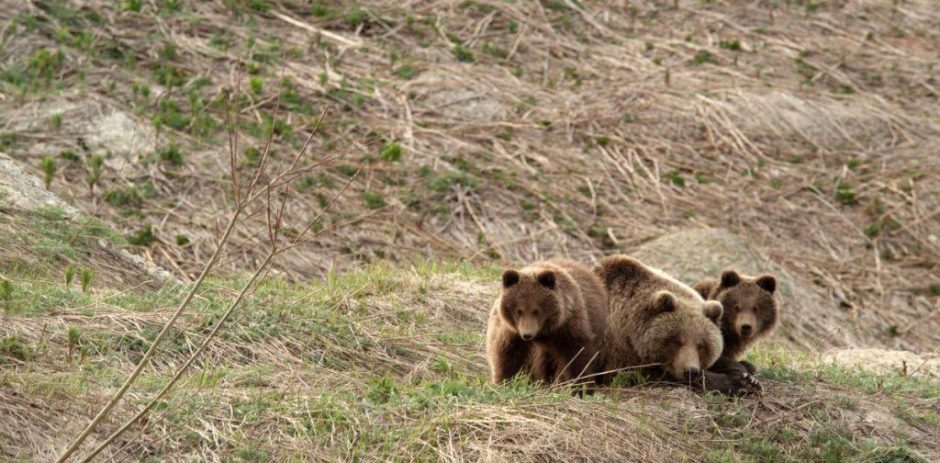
point(692, 372)
point(527, 337)
point(746, 330)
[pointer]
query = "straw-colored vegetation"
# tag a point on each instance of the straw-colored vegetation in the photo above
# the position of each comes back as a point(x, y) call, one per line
point(387, 363)
point(483, 133)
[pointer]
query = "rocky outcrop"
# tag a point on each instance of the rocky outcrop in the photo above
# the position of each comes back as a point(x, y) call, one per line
point(98, 127)
point(885, 362)
point(22, 192)
point(806, 319)
point(457, 98)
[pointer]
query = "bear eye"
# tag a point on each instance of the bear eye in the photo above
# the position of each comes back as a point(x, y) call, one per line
point(518, 311)
point(535, 312)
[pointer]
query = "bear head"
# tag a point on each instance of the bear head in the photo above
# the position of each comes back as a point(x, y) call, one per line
point(680, 334)
point(531, 303)
point(750, 309)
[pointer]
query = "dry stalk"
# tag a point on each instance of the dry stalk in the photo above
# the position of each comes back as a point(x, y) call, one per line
point(274, 224)
point(77, 442)
point(243, 198)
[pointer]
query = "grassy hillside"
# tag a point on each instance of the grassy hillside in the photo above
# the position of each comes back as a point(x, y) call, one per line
point(484, 133)
point(387, 364)
point(505, 130)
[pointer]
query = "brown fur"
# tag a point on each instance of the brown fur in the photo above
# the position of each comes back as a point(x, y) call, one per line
point(750, 310)
point(563, 307)
point(654, 319)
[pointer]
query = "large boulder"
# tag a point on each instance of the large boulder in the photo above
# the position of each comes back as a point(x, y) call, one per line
point(121, 137)
point(886, 362)
point(806, 319)
point(21, 192)
point(457, 97)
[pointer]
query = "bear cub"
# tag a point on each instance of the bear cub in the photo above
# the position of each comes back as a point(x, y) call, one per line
point(750, 313)
point(547, 322)
point(656, 320)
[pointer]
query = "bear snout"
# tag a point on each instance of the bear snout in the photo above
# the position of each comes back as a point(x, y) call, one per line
point(528, 327)
point(746, 330)
point(745, 324)
point(685, 364)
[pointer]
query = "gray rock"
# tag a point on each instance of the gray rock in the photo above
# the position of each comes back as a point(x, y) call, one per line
point(806, 319)
point(458, 99)
point(121, 134)
point(106, 130)
point(886, 362)
point(21, 191)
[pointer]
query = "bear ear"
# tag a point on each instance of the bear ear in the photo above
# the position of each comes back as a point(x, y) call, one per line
point(510, 277)
point(618, 268)
point(663, 301)
point(703, 288)
point(713, 310)
point(547, 279)
point(729, 278)
point(767, 283)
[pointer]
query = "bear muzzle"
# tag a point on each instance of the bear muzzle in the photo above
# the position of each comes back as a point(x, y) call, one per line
point(745, 324)
point(528, 327)
point(686, 364)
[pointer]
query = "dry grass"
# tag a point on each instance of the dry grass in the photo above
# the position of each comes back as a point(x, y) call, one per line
point(387, 364)
point(808, 128)
point(579, 128)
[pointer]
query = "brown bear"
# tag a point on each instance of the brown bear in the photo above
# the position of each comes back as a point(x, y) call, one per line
point(664, 327)
point(750, 313)
point(546, 321)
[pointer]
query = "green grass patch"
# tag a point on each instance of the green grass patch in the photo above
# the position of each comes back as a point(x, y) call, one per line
point(463, 54)
point(12, 346)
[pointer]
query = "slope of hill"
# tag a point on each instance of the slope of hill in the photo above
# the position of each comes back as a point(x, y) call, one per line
point(484, 133)
point(500, 130)
point(387, 364)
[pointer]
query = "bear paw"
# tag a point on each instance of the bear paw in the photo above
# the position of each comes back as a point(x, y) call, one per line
point(737, 382)
point(748, 366)
point(750, 384)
